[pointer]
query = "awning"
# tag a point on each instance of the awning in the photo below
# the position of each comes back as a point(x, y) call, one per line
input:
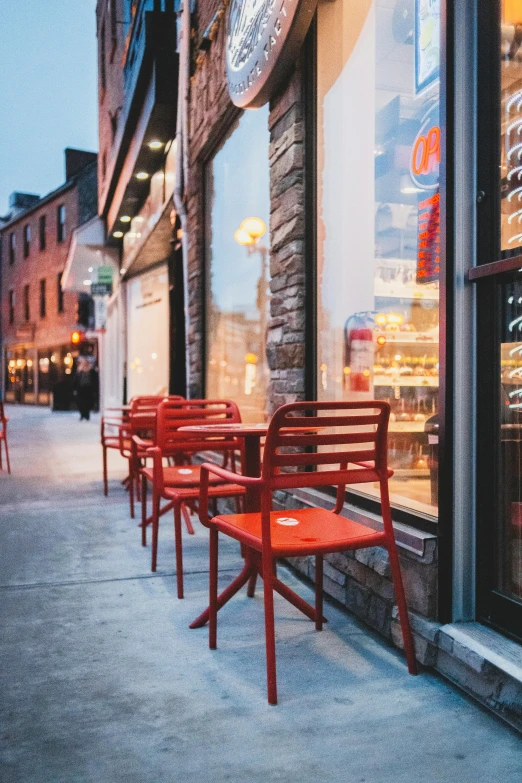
point(153, 246)
point(87, 252)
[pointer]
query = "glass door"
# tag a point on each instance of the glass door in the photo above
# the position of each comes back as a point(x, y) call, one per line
point(499, 279)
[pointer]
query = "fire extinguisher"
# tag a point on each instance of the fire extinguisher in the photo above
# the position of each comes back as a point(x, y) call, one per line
point(358, 352)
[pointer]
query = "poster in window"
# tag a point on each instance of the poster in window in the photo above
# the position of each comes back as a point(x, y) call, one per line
point(427, 43)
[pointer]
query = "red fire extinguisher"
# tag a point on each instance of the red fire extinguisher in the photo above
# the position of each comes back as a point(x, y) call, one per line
point(358, 353)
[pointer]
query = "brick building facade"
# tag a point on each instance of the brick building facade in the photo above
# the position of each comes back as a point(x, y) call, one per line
point(37, 316)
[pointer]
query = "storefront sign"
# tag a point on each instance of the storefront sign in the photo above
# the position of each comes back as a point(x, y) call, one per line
point(427, 43)
point(263, 39)
point(424, 172)
point(101, 289)
point(105, 274)
point(100, 313)
point(428, 239)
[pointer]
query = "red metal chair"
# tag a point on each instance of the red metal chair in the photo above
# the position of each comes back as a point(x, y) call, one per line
point(179, 484)
point(3, 437)
point(141, 422)
point(110, 439)
point(347, 441)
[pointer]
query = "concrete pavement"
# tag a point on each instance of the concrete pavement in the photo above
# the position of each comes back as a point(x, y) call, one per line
point(102, 680)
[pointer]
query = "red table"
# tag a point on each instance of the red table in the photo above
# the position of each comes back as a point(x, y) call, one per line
point(251, 466)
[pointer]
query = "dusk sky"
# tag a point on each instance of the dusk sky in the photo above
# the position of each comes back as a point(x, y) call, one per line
point(48, 78)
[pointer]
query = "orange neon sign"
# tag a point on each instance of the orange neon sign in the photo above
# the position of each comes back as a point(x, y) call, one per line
point(426, 152)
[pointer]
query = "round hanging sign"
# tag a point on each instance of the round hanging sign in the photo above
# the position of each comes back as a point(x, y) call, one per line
point(263, 39)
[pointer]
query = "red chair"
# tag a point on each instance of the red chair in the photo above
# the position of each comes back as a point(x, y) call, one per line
point(110, 439)
point(179, 484)
point(347, 434)
point(3, 437)
point(141, 422)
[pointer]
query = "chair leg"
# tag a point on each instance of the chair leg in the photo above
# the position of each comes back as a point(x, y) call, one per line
point(155, 527)
point(1, 465)
point(143, 510)
point(251, 587)
point(7, 456)
point(409, 648)
point(105, 480)
point(318, 592)
point(138, 483)
point(179, 548)
point(188, 523)
point(398, 585)
point(131, 488)
point(268, 591)
point(213, 589)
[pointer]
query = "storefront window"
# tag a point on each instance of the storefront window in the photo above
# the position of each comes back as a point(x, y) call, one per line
point(148, 333)
point(378, 226)
point(237, 250)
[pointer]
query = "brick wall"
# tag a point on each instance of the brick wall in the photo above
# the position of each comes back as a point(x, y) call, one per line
point(79, 199)
point(110, 97)
point(56, 327)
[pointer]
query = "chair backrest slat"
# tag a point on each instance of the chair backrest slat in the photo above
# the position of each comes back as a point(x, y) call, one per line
point(330, 437)
point(314, 439)
point(175, 414)
point(142, 415)
point(322, 458)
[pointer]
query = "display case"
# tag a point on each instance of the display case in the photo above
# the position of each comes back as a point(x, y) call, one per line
point(406, 361)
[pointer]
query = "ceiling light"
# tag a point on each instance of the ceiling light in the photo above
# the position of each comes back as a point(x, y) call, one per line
point(117, 234)
point(155, 144)
point(122, 271)
point(125, 219)
point(90, 269)
point(87, 282)
point(142, 175)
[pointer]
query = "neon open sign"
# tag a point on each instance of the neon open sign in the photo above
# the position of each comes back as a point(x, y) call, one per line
point(425, 155)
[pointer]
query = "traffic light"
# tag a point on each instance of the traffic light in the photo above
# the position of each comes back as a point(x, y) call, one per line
point(77, 338)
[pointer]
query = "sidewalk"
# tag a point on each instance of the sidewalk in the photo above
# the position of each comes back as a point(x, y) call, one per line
point(103, 682)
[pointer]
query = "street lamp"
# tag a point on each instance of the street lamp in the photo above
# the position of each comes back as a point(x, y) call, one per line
point(249, 234)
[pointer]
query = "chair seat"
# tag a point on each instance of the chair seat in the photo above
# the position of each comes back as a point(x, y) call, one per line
point(192, 493)
point(182, 475)
point(114, 443)
point(300, 531)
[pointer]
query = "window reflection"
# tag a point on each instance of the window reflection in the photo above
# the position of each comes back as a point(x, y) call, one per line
point(237, 244)
point(379, 224)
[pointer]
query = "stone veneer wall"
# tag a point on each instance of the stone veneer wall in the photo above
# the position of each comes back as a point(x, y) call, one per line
point(358, 580)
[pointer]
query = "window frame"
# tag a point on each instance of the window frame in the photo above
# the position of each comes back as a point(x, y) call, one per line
point(12, 247)
point(42, 232)
point(27, 240)
point(61, 232)
point(27, 305)
point(494, 267)
point(43, 297)
point(60, 300)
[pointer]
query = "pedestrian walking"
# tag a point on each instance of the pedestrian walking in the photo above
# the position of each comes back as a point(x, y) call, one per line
point(84, 388)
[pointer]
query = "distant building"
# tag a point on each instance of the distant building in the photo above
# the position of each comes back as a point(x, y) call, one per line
point(141, 345)
point(38, 318)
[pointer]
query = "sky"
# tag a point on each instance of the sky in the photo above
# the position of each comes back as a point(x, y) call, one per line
point(48, 91)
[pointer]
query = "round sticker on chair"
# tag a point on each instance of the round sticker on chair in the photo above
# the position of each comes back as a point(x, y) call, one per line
point(288, 521)
point(185, 471)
